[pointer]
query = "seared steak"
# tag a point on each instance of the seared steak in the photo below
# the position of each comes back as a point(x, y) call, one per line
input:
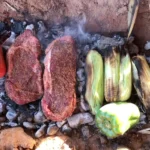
point(24, 78)
point(59, 99)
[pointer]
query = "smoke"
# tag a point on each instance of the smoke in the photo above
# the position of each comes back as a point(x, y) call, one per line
point(76, 29)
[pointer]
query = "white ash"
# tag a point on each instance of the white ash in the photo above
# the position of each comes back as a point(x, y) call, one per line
point(147, 46)
point(79, 119)
point(104, 42)
point(52, 129)
point(41, 131)
point(29, 125)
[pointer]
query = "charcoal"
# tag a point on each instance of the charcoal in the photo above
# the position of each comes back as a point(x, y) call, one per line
point(17, 27)
point(2, 27)
point(85, 132)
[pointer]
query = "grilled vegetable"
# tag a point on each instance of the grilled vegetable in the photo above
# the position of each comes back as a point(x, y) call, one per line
point(2, 64)
point(95, 82)
point(115, 119)
point(112, 67)
point(125, 79)
point(141, 77)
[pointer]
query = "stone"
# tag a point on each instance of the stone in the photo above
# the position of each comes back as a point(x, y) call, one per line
point(39, 117)
point(79, 119)
point(41, 131)
point(66, 129)
point(52, 129)
point(60, 123)
point(15, 137)
point(29, 125)
point(11, 115)
point(2, 107)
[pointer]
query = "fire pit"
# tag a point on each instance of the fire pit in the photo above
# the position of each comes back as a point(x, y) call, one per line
point(75, 129)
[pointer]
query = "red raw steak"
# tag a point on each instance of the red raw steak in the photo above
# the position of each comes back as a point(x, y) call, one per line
point(24, 78)
point(59, 99)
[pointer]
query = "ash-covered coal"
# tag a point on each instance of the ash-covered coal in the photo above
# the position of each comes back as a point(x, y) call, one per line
point(30, 116)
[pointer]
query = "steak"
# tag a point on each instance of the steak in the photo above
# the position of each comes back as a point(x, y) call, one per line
point(24, 77)
point(59, 99)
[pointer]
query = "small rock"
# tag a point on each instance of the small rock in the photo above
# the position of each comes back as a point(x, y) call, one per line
point(40, 132)
point(79, 119)
point(11, 124)
point(80, 74)
point(9, 41)
point(29, 125)
point(52, 129)
point(39, 117)
point(61, 123)
point(14, 137)
point(84, 106)
point(85, 132)
point(11, 115)
point(147, 45)
point(66, 128)
point(2, 107)
point(30, 27)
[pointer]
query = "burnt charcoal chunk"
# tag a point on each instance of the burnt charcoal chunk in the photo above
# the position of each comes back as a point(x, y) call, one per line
point(24, 77)
point(59, 99)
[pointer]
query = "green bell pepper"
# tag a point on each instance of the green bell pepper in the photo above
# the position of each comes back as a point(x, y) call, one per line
point(115, 119)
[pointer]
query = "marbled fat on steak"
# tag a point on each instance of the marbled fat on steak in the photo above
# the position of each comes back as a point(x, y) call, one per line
point(59, 99)
point(24, 78)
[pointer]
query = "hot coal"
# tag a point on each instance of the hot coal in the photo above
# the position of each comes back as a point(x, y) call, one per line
point(31, 115)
